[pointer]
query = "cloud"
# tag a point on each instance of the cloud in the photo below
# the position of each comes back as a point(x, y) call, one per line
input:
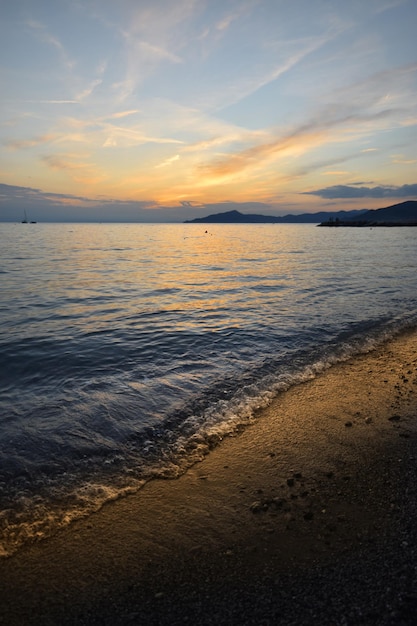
point(400, 159)
point(20, 144)
point(76, 166)
point(31, 194)
point(64, 162)
point(52, 101)
point(168, 161)
point(153, 36)
point(119, 136)
point(345, 116)
point(158, 53)
point(89, 90)
point(351, 191)
point(393, 85)
point(336, 173)
point(13, 197)
point(46, 37)
point(121, 114)
point(389, 4)
point(312, 133)
point(242, 9)
point(111, 130)
point(256, 77)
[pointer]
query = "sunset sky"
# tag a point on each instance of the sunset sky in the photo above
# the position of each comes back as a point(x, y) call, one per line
point(148, 110)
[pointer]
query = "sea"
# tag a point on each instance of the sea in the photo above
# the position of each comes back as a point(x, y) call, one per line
point(128, 351)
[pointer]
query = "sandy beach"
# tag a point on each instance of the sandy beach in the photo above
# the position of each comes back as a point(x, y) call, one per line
point(305, 517)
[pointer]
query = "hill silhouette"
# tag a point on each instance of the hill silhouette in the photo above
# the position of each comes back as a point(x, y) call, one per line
point(236, 217)
point(402, 214)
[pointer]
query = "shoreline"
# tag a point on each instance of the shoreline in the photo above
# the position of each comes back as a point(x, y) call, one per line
point(305, 517)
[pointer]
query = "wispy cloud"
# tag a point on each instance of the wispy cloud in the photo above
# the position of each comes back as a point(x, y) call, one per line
point(85, 93)
point(51, 101)
point(66, 162)
point(386, 5)
point(169, 161)
point(336, 173)
point(120, 136)
point(243, 8)
point(42, 33)
point(121, 114)
point(152, 52)
point(258, 76)
point(152, 37)
point(21, 144)
point(79, 167)
point(307, 136)
point(400, 159)
point(390, 88)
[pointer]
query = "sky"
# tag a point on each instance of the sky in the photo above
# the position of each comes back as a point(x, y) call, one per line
point(165, 110)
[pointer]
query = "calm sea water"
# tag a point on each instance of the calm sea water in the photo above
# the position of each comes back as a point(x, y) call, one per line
point(128, 350)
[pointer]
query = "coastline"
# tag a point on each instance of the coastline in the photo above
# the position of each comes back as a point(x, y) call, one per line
point(305, 517)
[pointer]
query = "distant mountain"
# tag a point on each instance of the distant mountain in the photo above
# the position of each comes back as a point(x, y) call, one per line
point(235, 217)
point(402, 214)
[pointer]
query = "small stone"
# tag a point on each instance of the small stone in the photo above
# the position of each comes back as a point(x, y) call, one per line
point(278, 503)
point(256, 507)
point(368, 420)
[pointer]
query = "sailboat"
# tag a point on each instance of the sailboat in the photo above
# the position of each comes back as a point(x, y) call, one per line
point(26, 221)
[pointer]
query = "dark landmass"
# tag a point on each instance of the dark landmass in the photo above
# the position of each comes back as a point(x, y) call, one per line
point(235, 217)
point(402, 214)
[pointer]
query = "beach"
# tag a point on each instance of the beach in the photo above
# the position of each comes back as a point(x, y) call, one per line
point(304, 517)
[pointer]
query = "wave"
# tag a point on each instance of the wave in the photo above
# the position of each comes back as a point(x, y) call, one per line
point(35, 506)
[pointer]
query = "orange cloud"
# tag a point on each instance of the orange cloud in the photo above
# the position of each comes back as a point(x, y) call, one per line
point(235, 163)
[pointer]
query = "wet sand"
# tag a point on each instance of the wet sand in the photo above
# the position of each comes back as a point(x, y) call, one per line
point(306, 517)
